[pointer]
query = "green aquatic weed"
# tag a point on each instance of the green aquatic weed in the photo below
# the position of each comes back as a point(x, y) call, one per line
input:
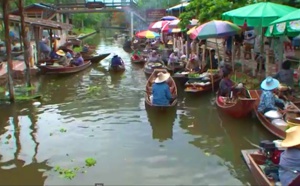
point(90, 162)
point(63, 130)
point(93, 89)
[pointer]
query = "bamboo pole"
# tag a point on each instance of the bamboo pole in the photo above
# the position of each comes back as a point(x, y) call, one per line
point(5, 8)
point(211, 74)
point(26, 43)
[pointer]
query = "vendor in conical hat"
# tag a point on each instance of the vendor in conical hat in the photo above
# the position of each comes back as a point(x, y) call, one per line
point(161, 91)
point(268, 100)
point(289, 165)
point(62, 58)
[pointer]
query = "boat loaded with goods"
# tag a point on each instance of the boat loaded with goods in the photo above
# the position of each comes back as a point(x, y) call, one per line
point(202, 82)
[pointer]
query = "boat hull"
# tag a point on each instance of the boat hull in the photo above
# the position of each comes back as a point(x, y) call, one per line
point(49, 69)
point(253, 159)
point(264, 120)
point(240, 109)
point(96, 59)
point(117, 68)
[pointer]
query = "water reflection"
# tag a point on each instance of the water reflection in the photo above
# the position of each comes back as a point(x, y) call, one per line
point(162, 124)
point(19, 148)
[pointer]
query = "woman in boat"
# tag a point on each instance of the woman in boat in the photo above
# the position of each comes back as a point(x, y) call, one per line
point(154, 57)
point(174, 57)
point(62, 58)
point(116, 61)
point(161, 91)
point(268, 100)
point(193, 63)
point(227, 86)
point(78, 60)
point(285, 75)
point(289, 165)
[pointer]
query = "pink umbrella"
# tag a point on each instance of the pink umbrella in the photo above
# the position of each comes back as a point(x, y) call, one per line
point(158, 24)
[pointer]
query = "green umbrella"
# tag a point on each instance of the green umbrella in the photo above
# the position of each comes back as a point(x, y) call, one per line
point(286, 25)
point(258, 14)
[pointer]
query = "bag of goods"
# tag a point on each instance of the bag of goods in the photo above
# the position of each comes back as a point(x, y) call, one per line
point(280, 123)
point(273, 114)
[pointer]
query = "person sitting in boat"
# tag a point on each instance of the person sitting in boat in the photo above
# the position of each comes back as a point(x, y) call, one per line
point(193, 63)
point(183, 59)
point(173, 58)
point(212, 62)
point(78, 60)
point(62, 58)
point(289, 164)
point(44, 47)
point(85, 48)
point(227, 86)
point(154, 57)
point(116, 61)
point(285, 74)
point(268, 101)
point(161, 91)
point(136, 54)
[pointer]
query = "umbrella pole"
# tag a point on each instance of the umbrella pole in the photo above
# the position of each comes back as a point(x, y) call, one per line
point(218, 52)
point(211, 74)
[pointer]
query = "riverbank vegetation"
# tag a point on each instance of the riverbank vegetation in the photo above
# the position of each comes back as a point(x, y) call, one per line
point(205, 10)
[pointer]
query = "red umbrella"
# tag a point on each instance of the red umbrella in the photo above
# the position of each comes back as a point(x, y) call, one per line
point(158, 25)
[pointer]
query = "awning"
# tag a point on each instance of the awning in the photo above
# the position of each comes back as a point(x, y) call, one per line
point(179, 6)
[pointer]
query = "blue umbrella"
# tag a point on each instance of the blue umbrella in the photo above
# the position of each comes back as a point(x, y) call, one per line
point(168, 18)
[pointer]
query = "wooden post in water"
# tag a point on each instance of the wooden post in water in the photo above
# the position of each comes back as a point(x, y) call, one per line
point(5, 8)
point(26, 43)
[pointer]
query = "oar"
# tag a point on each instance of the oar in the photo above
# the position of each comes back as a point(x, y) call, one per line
point(253, 144)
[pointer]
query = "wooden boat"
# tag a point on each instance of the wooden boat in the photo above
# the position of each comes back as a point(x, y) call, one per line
point(239, 108)
point(50, 69)
point(117, 68)
point(137, 60)
point(96, 58)
point(149, 67)
point(254, 159)
point(255, 94)
point(173, 89)
point(190, 86)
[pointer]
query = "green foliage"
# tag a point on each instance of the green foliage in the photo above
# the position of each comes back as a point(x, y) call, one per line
point(146, 4)
point(206, 10)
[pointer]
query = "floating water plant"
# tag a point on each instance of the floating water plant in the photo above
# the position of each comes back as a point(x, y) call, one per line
point(70, 173)
point(93, 89)
point(63, 130)
point(89, 162)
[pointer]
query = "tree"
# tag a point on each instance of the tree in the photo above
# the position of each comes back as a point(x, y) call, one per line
point(26, 43)
point(5, 8)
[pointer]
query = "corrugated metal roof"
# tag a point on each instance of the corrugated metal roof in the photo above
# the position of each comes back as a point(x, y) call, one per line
point(41, 22)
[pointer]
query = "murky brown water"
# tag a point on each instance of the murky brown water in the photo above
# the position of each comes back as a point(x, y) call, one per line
point(196, 146)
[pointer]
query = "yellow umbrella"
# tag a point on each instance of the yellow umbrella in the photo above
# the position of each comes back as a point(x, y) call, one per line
point(191, 30)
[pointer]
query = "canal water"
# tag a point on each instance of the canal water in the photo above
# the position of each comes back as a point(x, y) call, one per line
point(95, 114)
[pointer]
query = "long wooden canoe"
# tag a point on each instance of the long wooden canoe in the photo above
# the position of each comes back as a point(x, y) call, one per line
point(255, 94)
point(149, 67)
point(148, 93)
point(50, 69)
point(237, 109)
point(254, 159)
point(96, 58)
